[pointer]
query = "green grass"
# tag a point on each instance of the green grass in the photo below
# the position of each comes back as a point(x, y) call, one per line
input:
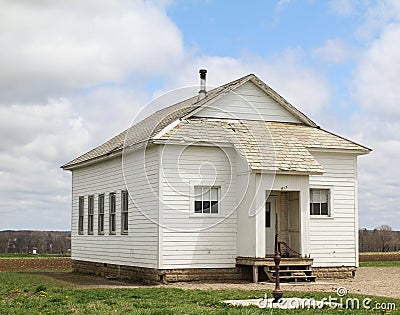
point(11, 255)
point(25, 293)
point(380, 264)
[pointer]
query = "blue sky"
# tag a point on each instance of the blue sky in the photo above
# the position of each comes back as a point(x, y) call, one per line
point(76, 73)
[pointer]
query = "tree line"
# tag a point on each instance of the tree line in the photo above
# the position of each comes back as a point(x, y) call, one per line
point(380, 239)
point(41, 242)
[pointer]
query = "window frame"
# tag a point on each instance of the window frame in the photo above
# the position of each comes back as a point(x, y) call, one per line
point(81, 215)
point(329, 190)
point(90, 222)
point(124, 212)
point(100, 214)
point(112, 199)
point(221, 191)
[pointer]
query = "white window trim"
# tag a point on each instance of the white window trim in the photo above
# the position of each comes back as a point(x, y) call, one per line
point(101, 232)
point(112, 232)
point(81, 231)
point(123, 231)
point(330, 215)
point(221, 194)
point(90, 215)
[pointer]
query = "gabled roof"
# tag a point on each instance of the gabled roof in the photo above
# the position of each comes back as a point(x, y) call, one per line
point(156, 124)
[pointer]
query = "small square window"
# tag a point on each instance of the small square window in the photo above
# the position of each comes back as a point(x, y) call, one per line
point(206, 200)
point(319, 202)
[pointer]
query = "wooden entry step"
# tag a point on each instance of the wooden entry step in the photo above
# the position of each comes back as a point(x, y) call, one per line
point(292, 269)
point(291, 273)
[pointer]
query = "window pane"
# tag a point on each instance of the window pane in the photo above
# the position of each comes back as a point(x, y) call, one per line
point(317, 196)
point(316, 210)
point(312, 195)
point(198, 207)
point(101, 204)
point(198, 193)
point(214, 206)
point(214, 194)
point(206, 207)
point(91, 205)
point(324, 208)
point(206, 194)
point(113, 222)
point(267, 214)
point(125, 223)
point(323, 196)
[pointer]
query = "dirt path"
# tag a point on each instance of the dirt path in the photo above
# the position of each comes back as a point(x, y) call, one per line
point(35, 263)
point(369, 281)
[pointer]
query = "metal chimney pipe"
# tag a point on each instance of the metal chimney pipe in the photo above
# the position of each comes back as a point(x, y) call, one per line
point(202, 92)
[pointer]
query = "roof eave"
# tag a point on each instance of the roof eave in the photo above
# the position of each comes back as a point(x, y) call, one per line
point(107, 156)
point(101, 158)
point(288, 172)
point(342, 151)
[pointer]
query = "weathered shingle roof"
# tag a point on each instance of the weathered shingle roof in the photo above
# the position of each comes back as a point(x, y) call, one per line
point(267, 146)
point(290, 142)
point(150, 126)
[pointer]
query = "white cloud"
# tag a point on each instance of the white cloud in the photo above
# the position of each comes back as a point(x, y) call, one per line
point(304, 87)
point(334, 50)
point(49, 47)
point(282, 3)
point(376, 17)
point(376, 78)
point(344, 7)
point(374, 88)
point(35, 141)
point(378, 172)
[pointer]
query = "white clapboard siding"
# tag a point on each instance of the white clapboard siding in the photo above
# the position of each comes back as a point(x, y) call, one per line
point(140, 176)
point(333, 240)
point(246, 227)
point(201, 241)
point(247, 102)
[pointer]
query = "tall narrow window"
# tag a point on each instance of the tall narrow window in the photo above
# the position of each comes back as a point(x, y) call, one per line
point(81, 214)
point(268, 214)
point(319, 202)
point(112, 213)
point(206, 199)
point(124, 212)
point(100, 220)
point(90, 214)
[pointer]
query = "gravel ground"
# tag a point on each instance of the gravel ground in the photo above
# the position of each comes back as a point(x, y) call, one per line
point(369, 281)
point(383, 282)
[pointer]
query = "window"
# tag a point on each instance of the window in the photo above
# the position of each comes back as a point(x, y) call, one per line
point(206, 199)
point(267, 214)
point(81, 214)
point(124, 212)
point(112, 213)
point(90, 214)
point(319, 202)
point(101, 214)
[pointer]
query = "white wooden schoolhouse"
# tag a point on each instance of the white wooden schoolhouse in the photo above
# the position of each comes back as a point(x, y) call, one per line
point(198, 190)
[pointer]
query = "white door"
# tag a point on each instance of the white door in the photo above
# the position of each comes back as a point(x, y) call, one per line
point(270, 216)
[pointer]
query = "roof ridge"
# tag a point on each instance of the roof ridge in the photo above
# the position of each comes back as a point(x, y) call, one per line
point(149, 126)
